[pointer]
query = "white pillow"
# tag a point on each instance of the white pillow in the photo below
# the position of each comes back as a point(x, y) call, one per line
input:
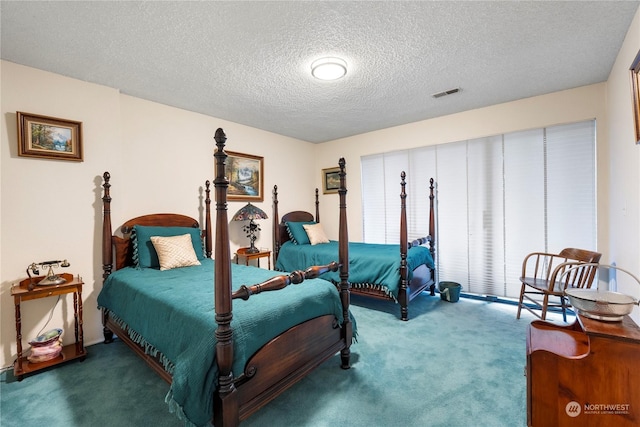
point(175, 251)
point(316, 233)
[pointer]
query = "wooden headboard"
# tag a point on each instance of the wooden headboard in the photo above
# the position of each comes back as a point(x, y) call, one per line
point(121, 247)
point(280, 234)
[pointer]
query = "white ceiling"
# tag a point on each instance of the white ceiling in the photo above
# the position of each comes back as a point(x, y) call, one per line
point(249, 62)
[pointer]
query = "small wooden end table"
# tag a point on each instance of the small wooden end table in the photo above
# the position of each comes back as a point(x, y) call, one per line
point(21, 292)
point(242, 253)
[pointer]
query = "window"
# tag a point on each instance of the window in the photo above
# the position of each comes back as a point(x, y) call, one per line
point(498, 198)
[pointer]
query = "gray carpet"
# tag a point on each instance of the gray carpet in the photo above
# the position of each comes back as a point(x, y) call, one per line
point(452, 364)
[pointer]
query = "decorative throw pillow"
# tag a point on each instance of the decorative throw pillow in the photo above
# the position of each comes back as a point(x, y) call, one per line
point(144, 254)
point(316, 233)
point(297, 233)
point(175, 251)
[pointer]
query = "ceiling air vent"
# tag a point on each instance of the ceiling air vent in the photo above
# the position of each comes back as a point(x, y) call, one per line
point(446, 92)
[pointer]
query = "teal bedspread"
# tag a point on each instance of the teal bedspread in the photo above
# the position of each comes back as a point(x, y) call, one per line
point(172, 315)
point(370, 265)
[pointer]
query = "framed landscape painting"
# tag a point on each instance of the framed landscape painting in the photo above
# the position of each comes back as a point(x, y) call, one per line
point(246, 177)
point(330, 180)
point(49, 137)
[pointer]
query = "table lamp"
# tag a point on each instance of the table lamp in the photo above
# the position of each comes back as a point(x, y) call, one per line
point(251, 213)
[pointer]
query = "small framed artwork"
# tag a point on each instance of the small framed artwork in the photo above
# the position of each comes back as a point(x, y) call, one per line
point(246, 177)
point(330, 180)
point(635, 88)
point(49, 137)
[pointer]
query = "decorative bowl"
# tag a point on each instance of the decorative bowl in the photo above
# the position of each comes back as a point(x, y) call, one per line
point(607, 306)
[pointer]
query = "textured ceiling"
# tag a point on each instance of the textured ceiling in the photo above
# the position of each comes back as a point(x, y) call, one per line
point(249, 62)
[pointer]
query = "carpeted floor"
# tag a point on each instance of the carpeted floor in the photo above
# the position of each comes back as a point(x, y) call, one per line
point(459, 364)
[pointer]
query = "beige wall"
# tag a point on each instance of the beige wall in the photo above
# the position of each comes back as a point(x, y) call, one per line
point(159, 158)
point(623, 163)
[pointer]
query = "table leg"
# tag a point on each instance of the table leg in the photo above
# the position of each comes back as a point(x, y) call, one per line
point(18, 337)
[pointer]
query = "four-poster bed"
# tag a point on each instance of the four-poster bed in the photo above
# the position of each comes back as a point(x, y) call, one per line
point(390, 272)
point(228, 358)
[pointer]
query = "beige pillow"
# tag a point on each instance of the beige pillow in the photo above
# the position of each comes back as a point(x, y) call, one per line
point(316, 233)
point(175, 251)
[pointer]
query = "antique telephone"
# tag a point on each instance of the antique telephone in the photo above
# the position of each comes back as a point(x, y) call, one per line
point(51, 278)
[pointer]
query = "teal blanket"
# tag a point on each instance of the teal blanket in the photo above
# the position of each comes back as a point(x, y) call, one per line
point(171, 313)
point(370, 265)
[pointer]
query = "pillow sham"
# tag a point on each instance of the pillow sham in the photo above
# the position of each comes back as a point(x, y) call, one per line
point(175, 251)
point(144, 254)
point(316, 233)
point(297, 233)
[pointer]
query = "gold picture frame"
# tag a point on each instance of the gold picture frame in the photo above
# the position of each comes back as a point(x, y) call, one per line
point(635, 89)
point(49, 137)
point(246, 177)
point(330, 180)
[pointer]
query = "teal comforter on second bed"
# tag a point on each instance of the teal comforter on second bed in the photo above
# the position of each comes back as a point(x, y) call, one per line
point(172, 313)
point(374, 266)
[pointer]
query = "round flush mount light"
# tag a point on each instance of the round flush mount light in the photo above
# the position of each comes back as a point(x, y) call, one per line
point(328, 68)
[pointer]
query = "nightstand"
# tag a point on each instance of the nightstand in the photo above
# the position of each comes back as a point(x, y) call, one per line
point(20, 293)
point(242, 253)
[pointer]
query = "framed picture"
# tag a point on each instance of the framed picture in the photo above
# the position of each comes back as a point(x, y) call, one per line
point(635, 88)
point(49, 137)
point(330, 180)
point(246, 177)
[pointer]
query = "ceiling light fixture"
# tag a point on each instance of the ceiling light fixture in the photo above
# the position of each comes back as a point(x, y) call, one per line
point(328, 68)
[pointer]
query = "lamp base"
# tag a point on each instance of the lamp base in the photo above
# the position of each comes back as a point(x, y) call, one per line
point(252, 250)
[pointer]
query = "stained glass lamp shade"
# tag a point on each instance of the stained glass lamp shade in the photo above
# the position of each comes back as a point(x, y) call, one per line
point(250, 212)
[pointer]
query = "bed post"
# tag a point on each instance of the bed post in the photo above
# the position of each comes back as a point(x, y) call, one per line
point(343, 256)
point(276, 226)
point(225, 399)
point(432, 233)
point(207, 215)
point(317, 206)
point(403, 298)
point(107, 247)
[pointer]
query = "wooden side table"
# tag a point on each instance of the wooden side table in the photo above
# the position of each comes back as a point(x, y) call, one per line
point(242, 253)
point(584, 374)
point(20, 293)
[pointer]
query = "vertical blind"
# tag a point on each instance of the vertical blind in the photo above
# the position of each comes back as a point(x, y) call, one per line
point(498, 198)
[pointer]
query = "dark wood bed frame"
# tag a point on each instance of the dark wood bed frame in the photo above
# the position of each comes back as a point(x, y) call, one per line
point(423, 276)
point(281, 362)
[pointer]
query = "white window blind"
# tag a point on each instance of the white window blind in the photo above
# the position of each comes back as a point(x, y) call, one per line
point(498, 198)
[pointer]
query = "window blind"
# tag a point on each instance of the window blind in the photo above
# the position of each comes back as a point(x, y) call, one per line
point(498, 198)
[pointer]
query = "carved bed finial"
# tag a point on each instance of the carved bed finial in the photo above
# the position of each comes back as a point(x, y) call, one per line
point(220, 138)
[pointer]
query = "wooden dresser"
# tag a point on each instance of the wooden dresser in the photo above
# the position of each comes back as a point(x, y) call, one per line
point(585, 374)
